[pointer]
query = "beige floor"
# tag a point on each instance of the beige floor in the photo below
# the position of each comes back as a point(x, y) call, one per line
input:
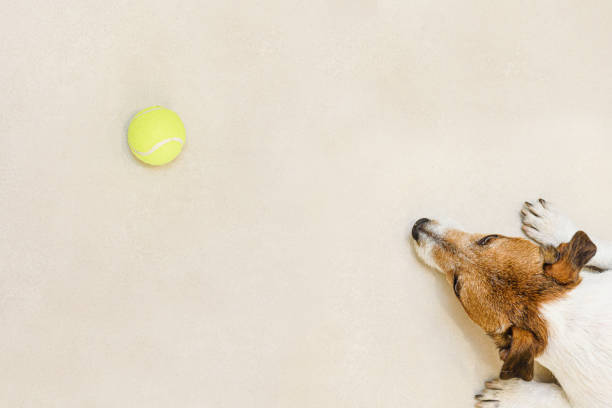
point(268, 266)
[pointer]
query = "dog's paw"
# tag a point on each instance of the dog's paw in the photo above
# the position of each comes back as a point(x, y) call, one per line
point(497, 394)
point(503, 394)
point(545, 225)
point(516, 393)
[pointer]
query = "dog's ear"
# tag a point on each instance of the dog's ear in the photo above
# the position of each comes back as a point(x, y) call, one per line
point(519, 358)
point(564, 263)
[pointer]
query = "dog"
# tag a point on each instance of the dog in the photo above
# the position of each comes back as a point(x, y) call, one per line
point(534, 300)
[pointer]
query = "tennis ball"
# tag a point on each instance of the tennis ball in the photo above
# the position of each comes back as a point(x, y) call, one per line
point(156, 135)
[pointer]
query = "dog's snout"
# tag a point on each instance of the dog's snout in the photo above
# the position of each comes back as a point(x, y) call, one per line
point(417, 226)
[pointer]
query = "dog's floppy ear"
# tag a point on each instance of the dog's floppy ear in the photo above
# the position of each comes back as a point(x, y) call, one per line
point(519, 358)
point(564, 263)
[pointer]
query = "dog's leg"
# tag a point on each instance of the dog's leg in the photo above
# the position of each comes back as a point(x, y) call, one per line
point(517, 393)
point(543, 223)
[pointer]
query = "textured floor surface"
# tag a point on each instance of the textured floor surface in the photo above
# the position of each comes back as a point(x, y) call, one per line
point(268, 265)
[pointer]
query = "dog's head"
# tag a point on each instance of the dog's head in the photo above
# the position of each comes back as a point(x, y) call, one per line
point(501, 281)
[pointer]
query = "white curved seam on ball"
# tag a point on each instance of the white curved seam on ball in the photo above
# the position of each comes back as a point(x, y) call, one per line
point(158, 145)
point(144, 112)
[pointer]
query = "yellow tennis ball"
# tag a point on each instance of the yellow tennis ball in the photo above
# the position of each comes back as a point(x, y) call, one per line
point(156, 135)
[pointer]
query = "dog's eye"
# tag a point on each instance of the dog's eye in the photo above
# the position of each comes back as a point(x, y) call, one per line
point(456, 285)
point(485, 240)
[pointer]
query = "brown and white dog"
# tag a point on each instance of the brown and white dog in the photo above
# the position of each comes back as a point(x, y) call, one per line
point(536, 305)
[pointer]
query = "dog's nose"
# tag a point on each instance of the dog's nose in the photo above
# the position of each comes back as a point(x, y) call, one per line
point(417, 226)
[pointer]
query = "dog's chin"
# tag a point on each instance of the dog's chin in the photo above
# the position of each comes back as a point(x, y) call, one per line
point(423, 249)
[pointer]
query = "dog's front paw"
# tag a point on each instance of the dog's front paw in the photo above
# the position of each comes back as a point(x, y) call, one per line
point(516, 393)
point(503, 394)
point(493, 394)
point(545, 225)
